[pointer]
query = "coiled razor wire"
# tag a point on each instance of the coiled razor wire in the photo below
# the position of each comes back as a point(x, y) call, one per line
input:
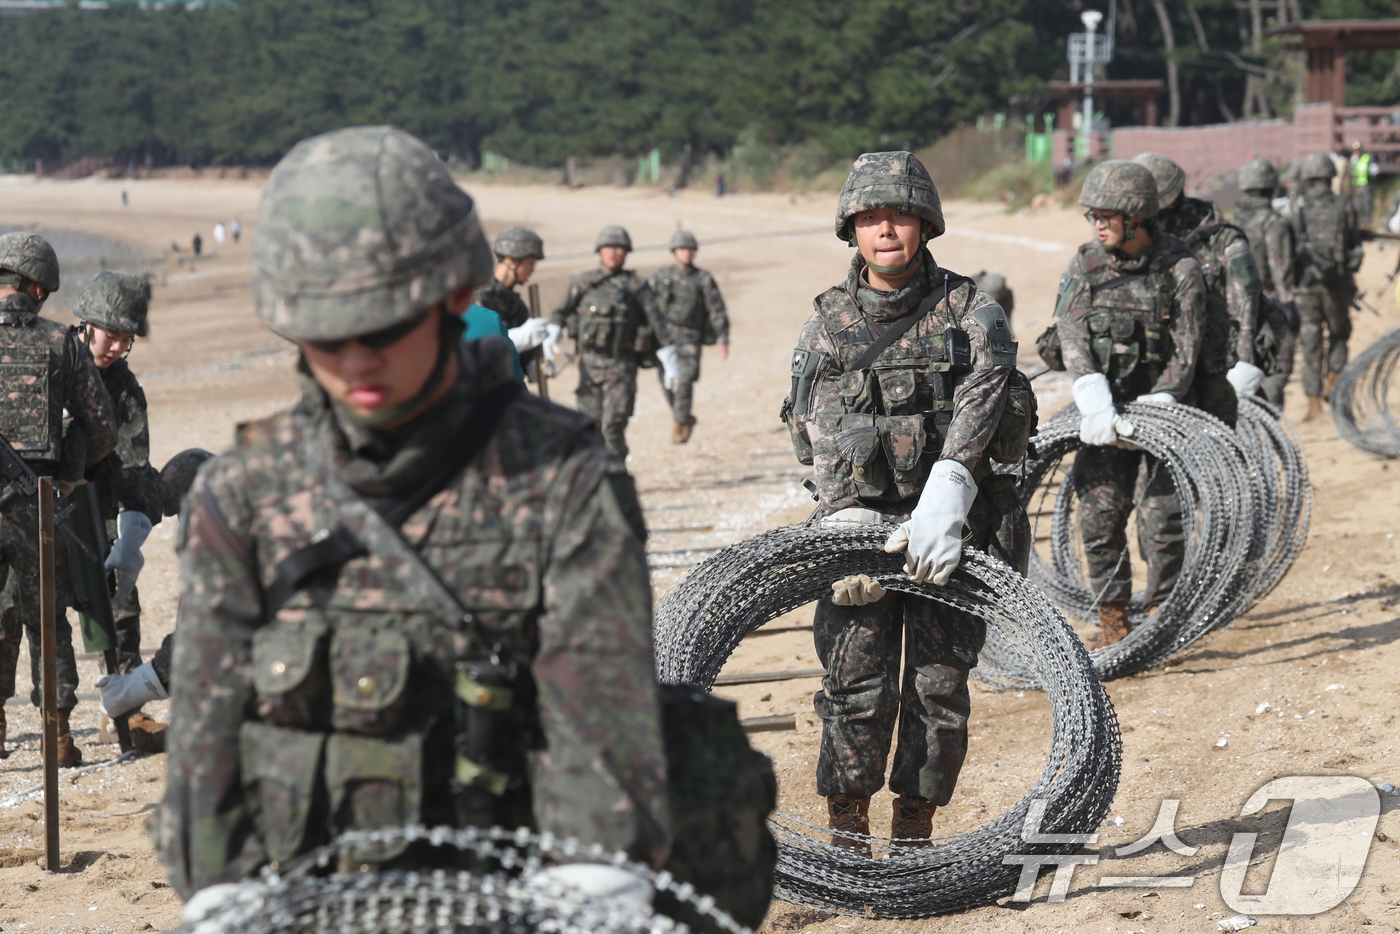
point(1245, 501)
point(1361, 398)
point(701, 620)
point(306, 896)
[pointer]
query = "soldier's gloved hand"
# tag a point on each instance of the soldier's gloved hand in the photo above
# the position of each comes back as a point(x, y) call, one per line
point(529, 335)
point(1156, 398)
point(856, 590)
point(1245, 377)
point(550, 344)
point(124, 693)
point(125, 557)
point(593, 881)
point(206, 902)
point(1099, 421)
point(670, 360)
point(932, 538)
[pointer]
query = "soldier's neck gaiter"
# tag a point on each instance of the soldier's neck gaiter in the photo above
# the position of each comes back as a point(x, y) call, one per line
point(888, 305)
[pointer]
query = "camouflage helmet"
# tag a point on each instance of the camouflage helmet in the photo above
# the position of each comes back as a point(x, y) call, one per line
point(1171, 178)
point(613, 235)
point(518, 243)
point(1258, 174)
point(683, 240)
point(115, 301)
point(888, 180)
point(177, 476)
point(358, 230)
point(31, 256)
point(1120, 185)
point(1318, 165)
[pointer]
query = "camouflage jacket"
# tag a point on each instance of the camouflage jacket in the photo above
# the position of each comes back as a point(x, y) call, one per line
point(614, 314)
point(1133, 319)
point(43, 372)
point(872, 435)
point(504, 301)
point(1227, 264)
point(125, 478)
point(541, 538)
point(690, 302)
point(1329, 252)
point(1271, 239)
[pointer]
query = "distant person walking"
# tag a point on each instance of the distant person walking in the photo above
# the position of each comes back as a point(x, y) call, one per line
point(197, 244)
point(1362, 191)
point(719, 186)
point(220, 234)
point(236, 229)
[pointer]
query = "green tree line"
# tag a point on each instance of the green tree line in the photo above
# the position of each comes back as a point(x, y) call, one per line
point(543, 80)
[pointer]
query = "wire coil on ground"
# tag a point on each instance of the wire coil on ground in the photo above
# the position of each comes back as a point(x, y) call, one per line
point(1224, 495)
point(704, 617)
point(307, 896)
point(1362, 398)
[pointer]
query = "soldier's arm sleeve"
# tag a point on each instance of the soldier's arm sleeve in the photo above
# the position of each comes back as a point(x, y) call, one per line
point(205, 833)
point(819, 386)
point(1189, 306)
point(1071, 312)
point(137, 482)
point(651, 314)
point(601, 776)
point(1279, 245)
point(980, 395)
point(719, 314)
point(1242, 289)
point(89, 403)
point(567, 309)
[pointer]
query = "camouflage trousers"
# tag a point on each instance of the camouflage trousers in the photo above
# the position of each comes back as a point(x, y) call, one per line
point(19, 607)
point(607, 392)
point(1106, 478)
point(1323, 310)
point(1273, 385)
point(683, 396)
point(862, 695)
point(127, 615)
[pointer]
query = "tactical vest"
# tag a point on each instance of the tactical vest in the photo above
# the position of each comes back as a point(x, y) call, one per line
point(681, 301)
point(30, 416)
point(897, 408)
point(607, 321)
point(1255, 224)
point(1220, 333)
point(1323, 258)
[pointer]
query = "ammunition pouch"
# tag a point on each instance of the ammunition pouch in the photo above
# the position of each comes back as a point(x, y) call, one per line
point(1048, 346)
point(290, 674)
point(373, 783)
point(605, 325)
point(281, 771)
point(1018, 422)
point(485, 697)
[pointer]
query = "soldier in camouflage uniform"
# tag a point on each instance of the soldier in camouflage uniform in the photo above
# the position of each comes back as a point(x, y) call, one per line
point(612, 314)
point(46, 371)
point(1271, 239)
point(517, 250)
point(1227, 326)
point(1127, 311)
point(905, 435)
point(1329, 254)
point(113, 311)
point(689, 300)
point(995, 285)
point(420, 595)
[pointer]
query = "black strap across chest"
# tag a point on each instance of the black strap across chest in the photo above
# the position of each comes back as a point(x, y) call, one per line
point(901, 326)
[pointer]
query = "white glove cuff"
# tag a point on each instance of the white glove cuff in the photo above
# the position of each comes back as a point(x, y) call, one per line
point(1092, 395)
point(948, 478)
point(133, 527)
point(853, 515)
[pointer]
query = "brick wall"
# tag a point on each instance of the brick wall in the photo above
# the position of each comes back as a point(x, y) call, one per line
point(1209, 152)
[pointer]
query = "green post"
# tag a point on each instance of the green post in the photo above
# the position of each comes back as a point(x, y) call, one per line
point(656, 166)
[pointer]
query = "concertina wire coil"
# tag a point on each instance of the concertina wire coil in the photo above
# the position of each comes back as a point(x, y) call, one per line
point(704, 617)
point(1361, 398)
point(1246, 504)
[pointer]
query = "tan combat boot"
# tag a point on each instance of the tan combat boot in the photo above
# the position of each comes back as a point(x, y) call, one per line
point(1327, 385)
point(912, 824)
point(1113, 624)
point(68, 753)
point(1314, 408)
point(147, 735)
point(849, 814)
point(680, 434)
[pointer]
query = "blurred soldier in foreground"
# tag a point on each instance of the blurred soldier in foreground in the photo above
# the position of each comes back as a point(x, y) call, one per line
point(1329, 254)
point(1226, 368)
point(611, 312)
point(517, 250)
point(904, 390)
point(1127, 312)
point(420, 596)
point(46, 373)
point(1271, 240)
point(690, 302)
point(113, 311)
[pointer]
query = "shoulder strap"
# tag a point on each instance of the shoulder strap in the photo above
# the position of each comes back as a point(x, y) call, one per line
point(897, 330)
point(1115, 282)
point(364, 528)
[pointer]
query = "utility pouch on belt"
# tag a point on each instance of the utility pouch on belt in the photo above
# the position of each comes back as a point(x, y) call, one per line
point(374, 783)
point(1018, 421)
point(1049, 348)
point(280, 768)
point(290, 673)
point(369, 676)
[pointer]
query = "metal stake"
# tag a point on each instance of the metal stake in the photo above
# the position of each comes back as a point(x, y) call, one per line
point(48, 600)
point(541, 377)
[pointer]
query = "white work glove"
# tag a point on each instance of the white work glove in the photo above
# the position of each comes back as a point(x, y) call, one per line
point(124, 693)
point(670, 361)
point(125, 557)
point(208, 901)
point(1099, 421)
point(1245, 377)
point(550, 344)
point(529, 335)
point(932, 538)
point(594, 881)
point(856, 590)
point(1156, 398)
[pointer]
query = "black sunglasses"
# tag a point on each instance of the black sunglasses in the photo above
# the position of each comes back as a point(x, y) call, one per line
point(374, 340)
